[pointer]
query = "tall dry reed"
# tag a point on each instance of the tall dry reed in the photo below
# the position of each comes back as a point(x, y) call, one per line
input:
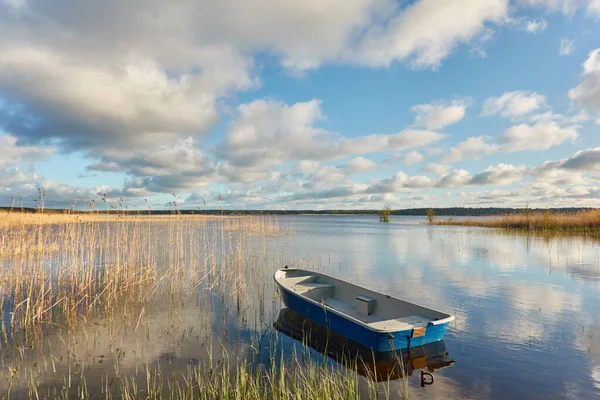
point(131, 307)
point(581, 223)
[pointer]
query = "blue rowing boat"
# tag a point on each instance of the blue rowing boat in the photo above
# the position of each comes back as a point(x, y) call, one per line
point(374, 320)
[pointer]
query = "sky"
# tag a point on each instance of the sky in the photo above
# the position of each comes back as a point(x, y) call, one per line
point(314, 104)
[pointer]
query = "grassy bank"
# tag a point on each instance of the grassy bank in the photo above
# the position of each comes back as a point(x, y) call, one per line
point(585, 223)
point(108, 306)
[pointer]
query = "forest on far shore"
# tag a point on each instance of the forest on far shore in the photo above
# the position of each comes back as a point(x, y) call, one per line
point(445, 211)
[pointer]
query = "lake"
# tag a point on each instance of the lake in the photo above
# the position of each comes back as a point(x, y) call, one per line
point(527, 307)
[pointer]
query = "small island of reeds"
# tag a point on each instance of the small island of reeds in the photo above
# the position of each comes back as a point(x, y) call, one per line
point(585, 222)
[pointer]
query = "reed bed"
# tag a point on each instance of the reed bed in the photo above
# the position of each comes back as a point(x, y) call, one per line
point(8, 218)
point(113, 306)
point(586, 223)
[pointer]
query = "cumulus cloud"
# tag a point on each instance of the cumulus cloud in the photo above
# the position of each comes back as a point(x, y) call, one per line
point(399, 182)
point(136, 87)
point(90, 105)
point(434, 168)
point(311, 182)
point(181, 157)
point(513, 104)
point(457, 178)
point(320, 176)
point(564, 175)
point(564, 6)
point(12, 153)
point(540, 136)
point(267, 132)
point(550, 116)
point(587, 93)
point(407, 36)
point(584, 160)
point(165, 74)
point(360, 165)
point(566, 47)
point(23, 186)
point(413, 157)
point(471, 148)
point(439, 115)
point(501, 174)
point(533, 195)
point(594, 7)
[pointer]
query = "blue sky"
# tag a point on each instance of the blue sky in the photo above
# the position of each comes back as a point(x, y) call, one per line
point(315, 104)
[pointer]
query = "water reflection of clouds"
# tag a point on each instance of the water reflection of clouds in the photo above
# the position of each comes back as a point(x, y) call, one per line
point(585, 271)
point(596, 376)
point(544, 299)
point(519, 301)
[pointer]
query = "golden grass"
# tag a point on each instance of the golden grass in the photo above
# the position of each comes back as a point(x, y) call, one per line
point(90, 304)
point(19, 218)
point(581, 223)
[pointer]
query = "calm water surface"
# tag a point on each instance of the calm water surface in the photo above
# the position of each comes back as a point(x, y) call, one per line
point(527, 308)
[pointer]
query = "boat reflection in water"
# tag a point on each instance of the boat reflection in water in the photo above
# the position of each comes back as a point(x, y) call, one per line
point(377, 366)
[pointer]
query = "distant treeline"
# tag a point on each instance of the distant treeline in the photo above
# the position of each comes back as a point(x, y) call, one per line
point(448, 211)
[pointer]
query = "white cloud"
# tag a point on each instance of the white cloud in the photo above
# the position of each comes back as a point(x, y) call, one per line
point(536, 25)
point(566, 47)
point(399, 182)
point(12, 154)
point(587, 93)
point(267, 132)
point(584, 160)
point(471, 148)
point(501, 174)
point(513, 104)
point(409, 35)
point(439, 115)
point(540, 136)
point(321, 176)
point(413, 157)
point(592, 64)
point(360, 165)
point(439, 169)
point(550, 116)
point(23, 184)
point(135, 87)
point(594, 7)
point(547, 184)
point(564, 6)
point(457, 178)
point(87, 105)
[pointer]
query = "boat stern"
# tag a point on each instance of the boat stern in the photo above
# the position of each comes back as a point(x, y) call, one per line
point(411, 338)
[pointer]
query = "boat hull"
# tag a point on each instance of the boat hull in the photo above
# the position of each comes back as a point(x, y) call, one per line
point(377, 341)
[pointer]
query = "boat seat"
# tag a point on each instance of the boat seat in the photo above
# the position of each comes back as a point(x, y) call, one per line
point(402, 324)
point(365, 305)
point(298, 279)
point(305, 287)
point(350, 310)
